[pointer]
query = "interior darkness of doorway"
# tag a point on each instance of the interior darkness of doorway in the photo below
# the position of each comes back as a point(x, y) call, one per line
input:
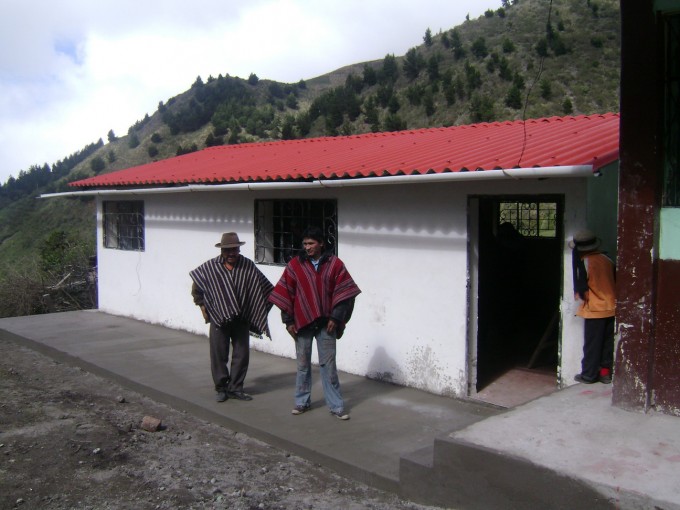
point(520, 282)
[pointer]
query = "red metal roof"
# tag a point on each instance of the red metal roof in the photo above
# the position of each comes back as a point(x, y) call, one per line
point(549, 142)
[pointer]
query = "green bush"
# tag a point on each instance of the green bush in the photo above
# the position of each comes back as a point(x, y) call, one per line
point(133, 140)
point(514, 98)
point(97, 164)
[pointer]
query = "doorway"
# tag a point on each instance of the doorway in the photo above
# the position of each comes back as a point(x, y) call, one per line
point(516, 268)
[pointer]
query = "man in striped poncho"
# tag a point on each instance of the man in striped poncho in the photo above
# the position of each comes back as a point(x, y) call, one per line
point(316, 297)
point(232, 294)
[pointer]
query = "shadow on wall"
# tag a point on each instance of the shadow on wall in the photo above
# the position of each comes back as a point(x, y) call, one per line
point(383, 368)
point(431, 218)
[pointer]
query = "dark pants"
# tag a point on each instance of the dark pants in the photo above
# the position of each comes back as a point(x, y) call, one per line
point(598, 347)
point(237, 333)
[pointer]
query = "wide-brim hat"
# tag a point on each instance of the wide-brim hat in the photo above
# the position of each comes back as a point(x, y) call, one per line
point(585, 240)
point(229, 240)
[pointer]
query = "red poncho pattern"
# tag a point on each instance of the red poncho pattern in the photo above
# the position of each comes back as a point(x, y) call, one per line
point(307, 295)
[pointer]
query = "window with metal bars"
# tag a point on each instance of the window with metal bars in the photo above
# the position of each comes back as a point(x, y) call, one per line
point(123, 223)
point(671, 134)
point(279, 225)
point(531, 219)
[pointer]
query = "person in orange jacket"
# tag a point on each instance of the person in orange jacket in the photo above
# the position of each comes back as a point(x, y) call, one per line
point(595, 286)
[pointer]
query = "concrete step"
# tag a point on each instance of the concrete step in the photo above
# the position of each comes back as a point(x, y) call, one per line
point(456, 474)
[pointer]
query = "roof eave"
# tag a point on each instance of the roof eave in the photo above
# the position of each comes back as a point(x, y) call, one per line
point(553, 172)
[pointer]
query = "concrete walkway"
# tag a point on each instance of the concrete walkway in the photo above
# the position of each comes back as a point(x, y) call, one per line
point(171, 366)
point(570, 449)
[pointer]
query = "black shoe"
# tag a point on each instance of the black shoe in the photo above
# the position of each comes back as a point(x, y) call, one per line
point(581, 379)
point(239, 395)
point(221, 396)
point(605, 379)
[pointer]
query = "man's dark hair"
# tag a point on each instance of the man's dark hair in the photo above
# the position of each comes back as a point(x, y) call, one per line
point(314, 233)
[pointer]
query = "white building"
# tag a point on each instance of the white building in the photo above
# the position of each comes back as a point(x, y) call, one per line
point(447, 306)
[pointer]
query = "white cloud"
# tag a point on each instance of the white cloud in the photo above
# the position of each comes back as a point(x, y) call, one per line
point(73, 69)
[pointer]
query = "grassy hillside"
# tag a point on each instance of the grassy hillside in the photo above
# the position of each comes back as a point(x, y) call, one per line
point(585, 75)
point(527, 60)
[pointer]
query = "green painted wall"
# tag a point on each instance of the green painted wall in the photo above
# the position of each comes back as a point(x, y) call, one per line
point(669, 234)
point(603, 206)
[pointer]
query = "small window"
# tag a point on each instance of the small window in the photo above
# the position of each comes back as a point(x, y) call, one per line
point(531, 219)
point(279, 225)
point(124, 225)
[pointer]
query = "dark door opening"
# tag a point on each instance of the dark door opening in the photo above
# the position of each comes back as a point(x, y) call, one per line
point(519, 285)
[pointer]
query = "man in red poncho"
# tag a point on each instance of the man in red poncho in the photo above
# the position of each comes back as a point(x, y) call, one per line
point(316, 297)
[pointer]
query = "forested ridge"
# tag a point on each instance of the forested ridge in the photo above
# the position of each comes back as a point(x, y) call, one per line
point(526, 59)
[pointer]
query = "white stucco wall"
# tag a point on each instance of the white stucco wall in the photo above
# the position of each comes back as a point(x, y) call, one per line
point(405, 245)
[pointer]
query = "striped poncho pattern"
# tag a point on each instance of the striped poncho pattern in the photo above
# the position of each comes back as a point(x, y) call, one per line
point(307, 294)
point(241, 292)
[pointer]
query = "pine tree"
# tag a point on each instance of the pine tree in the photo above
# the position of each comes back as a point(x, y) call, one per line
point(413, 63)
point(546, 89)
point(514, 98)
point(428, 103)
point(433, 67)
point(479, 48)
point(133, 140)
point(390, 70)
point(481, 109)
point(428, 38)
point(370, 76)
point(394, 123)
point(288, 128)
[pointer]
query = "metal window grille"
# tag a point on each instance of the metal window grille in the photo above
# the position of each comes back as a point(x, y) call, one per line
point(531, 219)
point(279, 225)
point(124, 225)
point(671, 134)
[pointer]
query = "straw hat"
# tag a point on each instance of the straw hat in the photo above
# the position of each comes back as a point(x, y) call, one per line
point(585, 240)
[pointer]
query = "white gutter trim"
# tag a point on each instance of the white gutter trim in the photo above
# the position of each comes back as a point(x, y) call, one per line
point(482, 175)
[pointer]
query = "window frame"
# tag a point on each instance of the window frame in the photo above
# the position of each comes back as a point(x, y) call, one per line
point(279, 224)
point(527, 221)
point(123, 225)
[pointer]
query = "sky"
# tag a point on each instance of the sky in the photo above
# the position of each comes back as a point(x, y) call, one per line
point(71, 70)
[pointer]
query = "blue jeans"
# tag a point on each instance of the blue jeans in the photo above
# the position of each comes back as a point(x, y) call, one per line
point(325, 344)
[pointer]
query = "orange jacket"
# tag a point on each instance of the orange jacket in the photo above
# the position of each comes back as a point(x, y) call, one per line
point(600, 299)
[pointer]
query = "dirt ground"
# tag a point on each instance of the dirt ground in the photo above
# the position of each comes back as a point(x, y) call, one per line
point(70, 439)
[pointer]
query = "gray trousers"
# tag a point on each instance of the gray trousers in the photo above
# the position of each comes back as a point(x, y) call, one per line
point(236, 333)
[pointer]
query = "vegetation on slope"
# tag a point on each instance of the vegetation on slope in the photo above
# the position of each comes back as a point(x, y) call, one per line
point(527, 59)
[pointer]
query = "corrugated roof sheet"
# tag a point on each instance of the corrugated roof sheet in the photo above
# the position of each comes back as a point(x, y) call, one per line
point(549, 142)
